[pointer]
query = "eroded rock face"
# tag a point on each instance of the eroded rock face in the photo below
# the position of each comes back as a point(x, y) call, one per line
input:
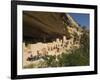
point(46, 26)
point(47, 33)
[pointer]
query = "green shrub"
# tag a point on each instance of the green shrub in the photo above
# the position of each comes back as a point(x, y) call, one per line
point(77, 57)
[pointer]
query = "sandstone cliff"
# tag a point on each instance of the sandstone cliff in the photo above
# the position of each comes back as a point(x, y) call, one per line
point(47, 26)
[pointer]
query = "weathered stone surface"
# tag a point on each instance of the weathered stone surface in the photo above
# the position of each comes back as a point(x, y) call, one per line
point(47, 33)
point(46, 26)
